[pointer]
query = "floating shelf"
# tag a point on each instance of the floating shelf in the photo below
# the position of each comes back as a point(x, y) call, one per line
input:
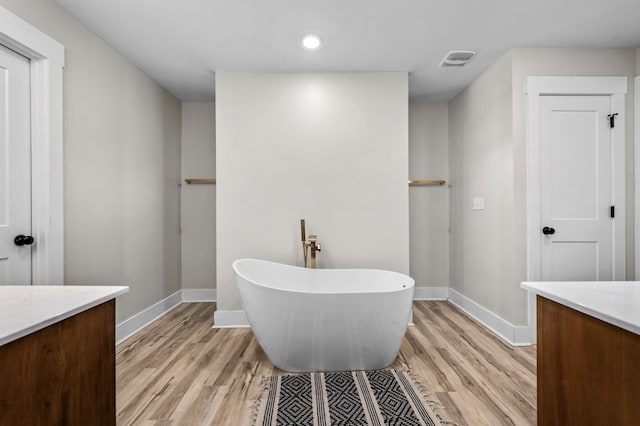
point(412, 182)
point(200, 180)
point(424, 182)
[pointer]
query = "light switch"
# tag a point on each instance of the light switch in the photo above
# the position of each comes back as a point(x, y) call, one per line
point(478, 203)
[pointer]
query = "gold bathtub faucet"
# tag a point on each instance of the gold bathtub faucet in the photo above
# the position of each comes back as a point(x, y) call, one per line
point(312, 244)
point(315, 248)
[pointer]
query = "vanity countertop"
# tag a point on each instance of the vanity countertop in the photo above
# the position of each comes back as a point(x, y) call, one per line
point(25, 309)
point(615, 302)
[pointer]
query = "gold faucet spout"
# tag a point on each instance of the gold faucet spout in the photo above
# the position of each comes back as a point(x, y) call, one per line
point(315, 248)
point(312, 244)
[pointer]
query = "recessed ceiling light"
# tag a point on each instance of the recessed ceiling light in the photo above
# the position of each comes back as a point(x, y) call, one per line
point(311, 41)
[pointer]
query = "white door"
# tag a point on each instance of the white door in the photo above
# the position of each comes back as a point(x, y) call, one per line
point(576, 189)
point(15, 169)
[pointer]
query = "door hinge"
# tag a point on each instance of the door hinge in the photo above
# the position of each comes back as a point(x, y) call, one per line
point(612, 120)
point(613, 211)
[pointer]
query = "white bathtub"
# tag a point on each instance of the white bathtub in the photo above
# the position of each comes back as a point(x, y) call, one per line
point(325, 319)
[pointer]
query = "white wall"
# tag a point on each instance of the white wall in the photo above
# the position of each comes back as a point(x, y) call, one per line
point(429, 205)
point(121, 166)
point(330, 148)
point(198, 214)
point(485, 267)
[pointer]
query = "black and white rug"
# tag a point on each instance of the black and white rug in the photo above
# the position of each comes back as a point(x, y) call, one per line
point(378, 398)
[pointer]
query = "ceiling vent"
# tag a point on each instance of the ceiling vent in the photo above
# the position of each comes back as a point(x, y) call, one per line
point(457, 58)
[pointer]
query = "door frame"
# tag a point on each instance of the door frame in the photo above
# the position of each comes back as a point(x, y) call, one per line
point(636, 126)
point(537, 86)
point(47, 220)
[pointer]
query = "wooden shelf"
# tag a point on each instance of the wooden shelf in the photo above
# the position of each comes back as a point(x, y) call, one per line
point(412, 182)
point(200, 181)
point(426, 182)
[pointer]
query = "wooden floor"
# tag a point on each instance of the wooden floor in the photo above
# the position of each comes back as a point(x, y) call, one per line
point(180, 371)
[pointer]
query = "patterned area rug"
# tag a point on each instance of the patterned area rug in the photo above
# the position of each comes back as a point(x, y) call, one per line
point(380, 397)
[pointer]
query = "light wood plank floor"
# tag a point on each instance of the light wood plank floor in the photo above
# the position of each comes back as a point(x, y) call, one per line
point(180, 371)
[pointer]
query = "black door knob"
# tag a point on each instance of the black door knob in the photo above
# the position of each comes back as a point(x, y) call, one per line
point(23, 240)
point(548, 231)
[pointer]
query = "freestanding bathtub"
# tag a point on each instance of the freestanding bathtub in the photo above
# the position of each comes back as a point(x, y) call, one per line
point(325, 319)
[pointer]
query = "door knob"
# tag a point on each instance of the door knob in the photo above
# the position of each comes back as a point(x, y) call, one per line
point(548, 231)
point(23, 240)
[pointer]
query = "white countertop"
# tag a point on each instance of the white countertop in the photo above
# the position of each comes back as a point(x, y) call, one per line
point(25, 309)
point(615, 302)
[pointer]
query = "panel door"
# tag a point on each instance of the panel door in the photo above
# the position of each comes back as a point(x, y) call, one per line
point(15, 169)
point(576, 189)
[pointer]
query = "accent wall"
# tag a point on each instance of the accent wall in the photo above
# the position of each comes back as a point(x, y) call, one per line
point(330, 148)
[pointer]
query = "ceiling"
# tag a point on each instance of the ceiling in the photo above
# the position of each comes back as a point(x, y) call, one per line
point(181, 43)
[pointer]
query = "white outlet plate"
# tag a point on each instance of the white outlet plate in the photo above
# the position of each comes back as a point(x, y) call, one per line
point(478, 203)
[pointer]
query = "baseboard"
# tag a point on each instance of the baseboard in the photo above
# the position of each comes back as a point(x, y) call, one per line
point(515, 335)
point(199, 295)
point(431, 293)
point(230, 319)
point(132, 325)
point(512, 334)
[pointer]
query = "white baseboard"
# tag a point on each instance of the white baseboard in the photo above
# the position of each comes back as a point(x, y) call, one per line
point(199, 295)
point(515, 335)
point(512, 334)
point(132, 325)
point(230, 319)
point(431, 293)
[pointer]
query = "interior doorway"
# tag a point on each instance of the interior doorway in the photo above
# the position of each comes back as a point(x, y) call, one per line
point(577, 212)
point(16, 242)
point(575, 180)
point(46, 64)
